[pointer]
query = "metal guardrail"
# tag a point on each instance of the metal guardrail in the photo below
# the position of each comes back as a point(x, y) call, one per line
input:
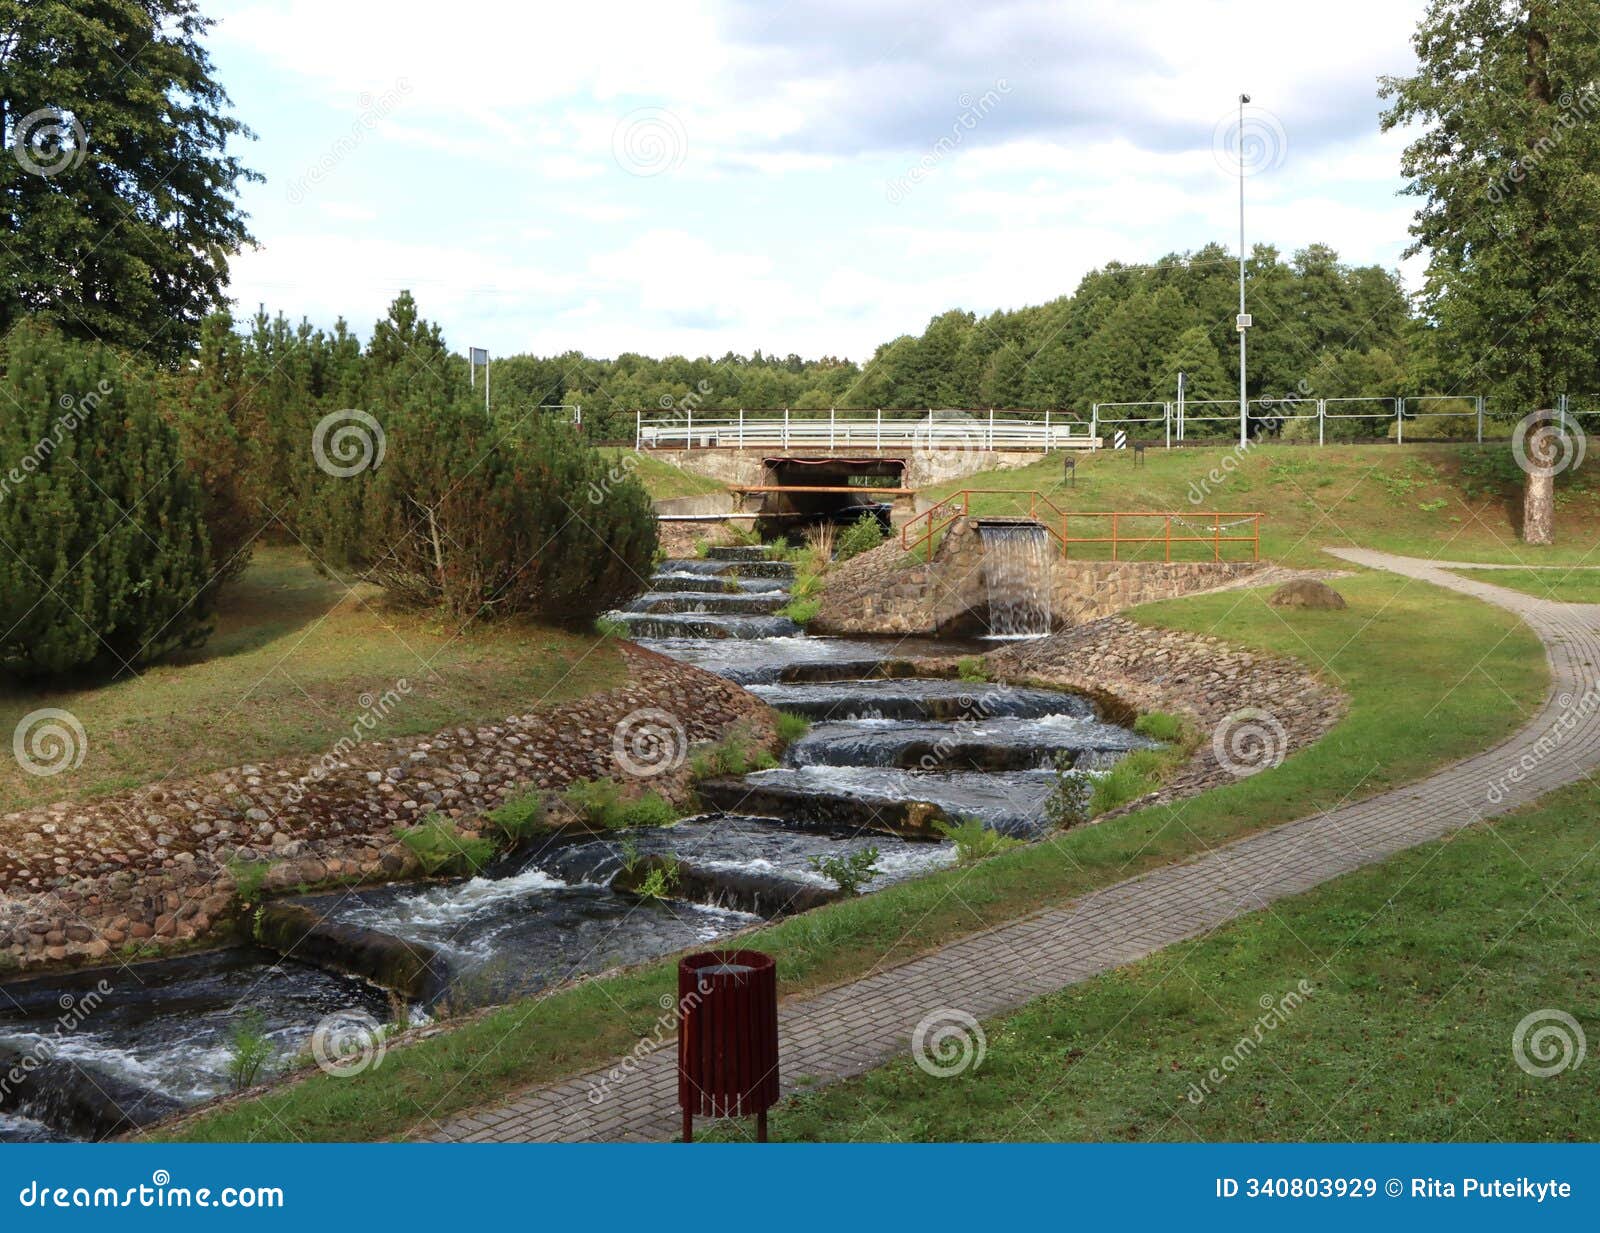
point(936, 431)
point(1176, 417)
point(926, 527)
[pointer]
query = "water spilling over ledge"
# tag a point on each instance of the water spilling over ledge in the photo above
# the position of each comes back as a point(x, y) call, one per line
point(1016, 574)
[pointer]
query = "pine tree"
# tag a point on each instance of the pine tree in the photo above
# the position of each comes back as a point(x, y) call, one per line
point(106, 564)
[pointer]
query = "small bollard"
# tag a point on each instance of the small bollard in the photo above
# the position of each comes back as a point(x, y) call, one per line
point(1138, 453)
point(1070, 470)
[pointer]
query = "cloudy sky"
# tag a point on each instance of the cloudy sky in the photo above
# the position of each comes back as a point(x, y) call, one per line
point(814, 176)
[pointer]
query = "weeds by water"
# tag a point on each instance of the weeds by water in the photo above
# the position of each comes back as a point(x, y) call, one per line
point(441, 849)
point(971, 668)
point(600, 802)
point(849, 872)
point(249, 1050)
point(791, 727)
point(974, 841)
point(520, 818)
point(735, 754)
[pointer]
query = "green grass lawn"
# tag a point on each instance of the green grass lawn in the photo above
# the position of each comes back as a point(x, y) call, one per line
point(1419, 971)
point(1431, 675)
point(662, 478)
point(1462, 502)
point(292, 656)
point(1565, 587)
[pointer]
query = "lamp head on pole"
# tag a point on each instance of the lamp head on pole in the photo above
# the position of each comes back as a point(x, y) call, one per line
point(1243, 98)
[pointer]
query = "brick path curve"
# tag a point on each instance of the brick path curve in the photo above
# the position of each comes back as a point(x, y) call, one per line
point(852, 1028)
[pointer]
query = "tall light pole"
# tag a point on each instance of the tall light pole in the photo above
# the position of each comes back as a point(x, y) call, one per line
point(1243, 321)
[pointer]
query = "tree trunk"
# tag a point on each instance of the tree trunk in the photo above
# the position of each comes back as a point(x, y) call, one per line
point(1539, 494)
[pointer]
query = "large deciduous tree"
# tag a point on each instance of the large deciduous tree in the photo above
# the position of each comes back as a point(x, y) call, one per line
point(118, 194)
point(1508, 165)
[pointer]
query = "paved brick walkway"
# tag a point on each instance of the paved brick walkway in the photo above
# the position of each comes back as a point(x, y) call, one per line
point(858, 1026)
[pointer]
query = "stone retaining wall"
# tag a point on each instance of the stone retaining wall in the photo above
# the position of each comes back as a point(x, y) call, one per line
point(1252, 710)
point(81, 880)
point(888, 591)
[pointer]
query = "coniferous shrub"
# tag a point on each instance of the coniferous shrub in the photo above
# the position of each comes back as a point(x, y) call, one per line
point(105, 563)
point(485, 518)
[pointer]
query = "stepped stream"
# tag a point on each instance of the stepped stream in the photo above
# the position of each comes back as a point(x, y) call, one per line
point(885, 754)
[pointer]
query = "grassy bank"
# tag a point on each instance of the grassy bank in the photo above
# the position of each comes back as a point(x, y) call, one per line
point(662, 479)
point(1424, 500)
point(293, 655)
point(1419, 971)
point(1564, 587)
point(1431, 676)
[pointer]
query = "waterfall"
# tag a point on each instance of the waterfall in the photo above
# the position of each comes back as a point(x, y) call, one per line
point(1016, 569)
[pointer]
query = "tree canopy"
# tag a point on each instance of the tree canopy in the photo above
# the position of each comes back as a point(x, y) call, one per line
point(117, 191)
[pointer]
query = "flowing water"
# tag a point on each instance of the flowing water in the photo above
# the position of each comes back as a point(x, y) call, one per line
point(1016, 570)
point(965, 749)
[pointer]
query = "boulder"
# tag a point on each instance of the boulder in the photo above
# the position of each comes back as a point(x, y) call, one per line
point(1306, 593)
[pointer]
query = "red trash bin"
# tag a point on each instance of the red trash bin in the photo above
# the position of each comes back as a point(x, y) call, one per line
point(727, 1037)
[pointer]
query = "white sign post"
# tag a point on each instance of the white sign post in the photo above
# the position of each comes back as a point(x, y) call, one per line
point(476, 356)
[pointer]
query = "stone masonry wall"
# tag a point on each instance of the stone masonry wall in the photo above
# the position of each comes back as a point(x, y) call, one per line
point(79, 880)
point(888, 591)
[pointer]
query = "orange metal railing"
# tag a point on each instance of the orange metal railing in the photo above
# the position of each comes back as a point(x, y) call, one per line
point(1192, 528)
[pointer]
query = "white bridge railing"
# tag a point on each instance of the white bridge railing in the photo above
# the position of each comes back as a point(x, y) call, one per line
point(876, 430)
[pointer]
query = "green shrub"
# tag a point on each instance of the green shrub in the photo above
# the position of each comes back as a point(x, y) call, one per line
point(863, 535)
point(660, 881)
point(107, 563)
point(249, 877)
point(1160, 726)
point(849, 872)
point(791, 727)
point(519, 818)
point(249, 1050)
point(601, 803)
point(737, 753)
point(974, 841)
point(610, 627)
point(1137, 774)
point(801, 611)
point(487, 518)
point(1069, 803)
point(971, 668)
point(439, 849)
